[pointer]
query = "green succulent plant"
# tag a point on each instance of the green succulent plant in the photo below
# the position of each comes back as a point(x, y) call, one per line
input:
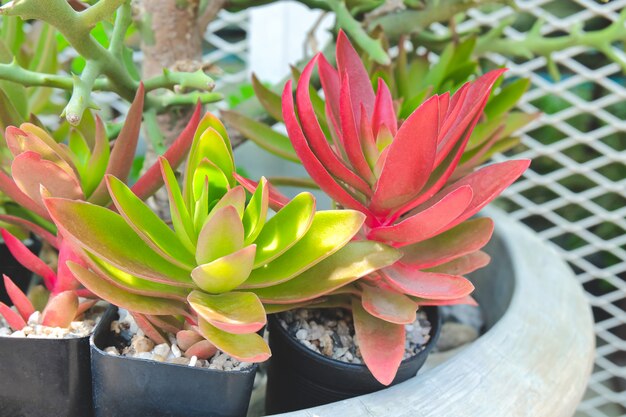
point(224, 264)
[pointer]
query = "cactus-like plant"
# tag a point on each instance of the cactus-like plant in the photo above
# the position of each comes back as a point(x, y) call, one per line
point(42, 168)
point(407, 177)
point(223, 263)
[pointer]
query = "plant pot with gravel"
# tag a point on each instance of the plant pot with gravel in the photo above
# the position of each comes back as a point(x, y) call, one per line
point(204, 287)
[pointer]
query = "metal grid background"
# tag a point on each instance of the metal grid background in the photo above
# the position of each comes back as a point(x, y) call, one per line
point(574, 194)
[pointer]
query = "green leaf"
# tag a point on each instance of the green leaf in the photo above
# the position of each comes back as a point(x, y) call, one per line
point(329, 231)
point(183, 226)
point(507, 98)
point(148, 225)
point(219, 183)
point(244, 347)
point(355, 260)
point(285, 229)
point(121, 298)
point(270, 101)
point(225, 273)
point(262, 134)
point(106, 234)
point(134, 284)
point(256, 212)
point(221, 235)
point(234, 312)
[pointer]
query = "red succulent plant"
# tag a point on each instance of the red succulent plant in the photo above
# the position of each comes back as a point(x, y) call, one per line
point(412, 181)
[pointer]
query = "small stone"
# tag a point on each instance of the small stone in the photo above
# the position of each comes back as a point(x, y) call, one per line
point(176, 350)
point(302, 334)
point(193, 361)
point(18, 333)
point(34, 318)
point(112, 351)
point(179, 361)
point(163, 349)
point(142, 344)
point(143, 355)
point(158, 358)
point(327, 345)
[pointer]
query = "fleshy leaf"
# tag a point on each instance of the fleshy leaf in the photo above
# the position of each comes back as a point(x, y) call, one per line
point(148, 225)
point(30, 172)
point(28, 259)
point(353, 261)
point(430, 285)
point(19, 299)
point(121, 298)
point(277, 200)
point(187, 338)
point(381, 343)
point(411, 156)
point(463, 265)
point(328, 233)
point(61, 310)
point(388, 305)
point(244, 347)
point(285, 229)
point(181, 218)
point(465, 238)
point(256, 212)
point(427, 222)
point(107, 235)
point(349, 62)
point(149, 328)
point(221, 235)
point(269, 100)
point(13, 319)
point(225, 273)
point(234, 312)
point(202, 350)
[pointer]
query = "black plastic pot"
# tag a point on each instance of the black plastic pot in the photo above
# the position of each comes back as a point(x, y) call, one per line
point(14, 270)
point(45, 377)
point(298, 377)
point(125, 386)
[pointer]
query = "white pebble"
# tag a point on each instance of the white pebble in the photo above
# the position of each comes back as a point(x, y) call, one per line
point(163, 349)
point(34, 318)
point(193, 361)
point(302, 334)
point(176, 351)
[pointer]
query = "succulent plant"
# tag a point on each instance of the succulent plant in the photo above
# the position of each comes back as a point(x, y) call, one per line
point(408, 178)
point(42, 167)
point(223, 264)
point(411, 79)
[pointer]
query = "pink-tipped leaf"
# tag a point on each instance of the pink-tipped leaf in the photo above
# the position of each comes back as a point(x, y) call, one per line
point(13, 319)
point(29, 260)
point(20, 300)
point(61, 310)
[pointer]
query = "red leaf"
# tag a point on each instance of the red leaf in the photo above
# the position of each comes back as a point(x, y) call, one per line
point(315, 136)
point(152, 180)
point(19, 299)
point(351, 141)
point(202, 350)
point(463, 265)
point(277, 199)
point(29, 260)
point(331, 86)
point(349, 62)
point(427, 222)
point(469, 300)
point(149, 329)
point(13, 319)
point(123, 153)
point(313, 166)
point(31, 227)
point(10, 188)
point(84, 306)
point(487, 183)
point(410, 159)
point(428, 285)
point(65, 279)
point(381, 343)
point(465, 238)
point(388, 305)
point(384, 112)
point(61, 310)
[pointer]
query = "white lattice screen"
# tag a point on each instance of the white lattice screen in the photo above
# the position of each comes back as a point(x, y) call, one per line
point(574, 195)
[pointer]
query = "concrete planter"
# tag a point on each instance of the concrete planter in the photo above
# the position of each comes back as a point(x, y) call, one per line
point(534, 361)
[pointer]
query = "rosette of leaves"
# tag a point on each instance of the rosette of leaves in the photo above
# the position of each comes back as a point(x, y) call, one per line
point(411, 79)
point(42, 167)
point(409, 177)
point(211, 278)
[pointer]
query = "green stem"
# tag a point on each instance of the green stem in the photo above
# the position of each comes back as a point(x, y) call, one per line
point(81, 95)
point(294, 182)
point(194, 80)
point(167, 100)
point(100, 11)
point(353, 27)
point(123, 20)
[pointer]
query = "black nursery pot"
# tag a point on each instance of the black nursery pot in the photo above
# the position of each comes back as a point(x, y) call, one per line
point(125, 386)
point(298, 377)
point(45, 377)
point(14, 270)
